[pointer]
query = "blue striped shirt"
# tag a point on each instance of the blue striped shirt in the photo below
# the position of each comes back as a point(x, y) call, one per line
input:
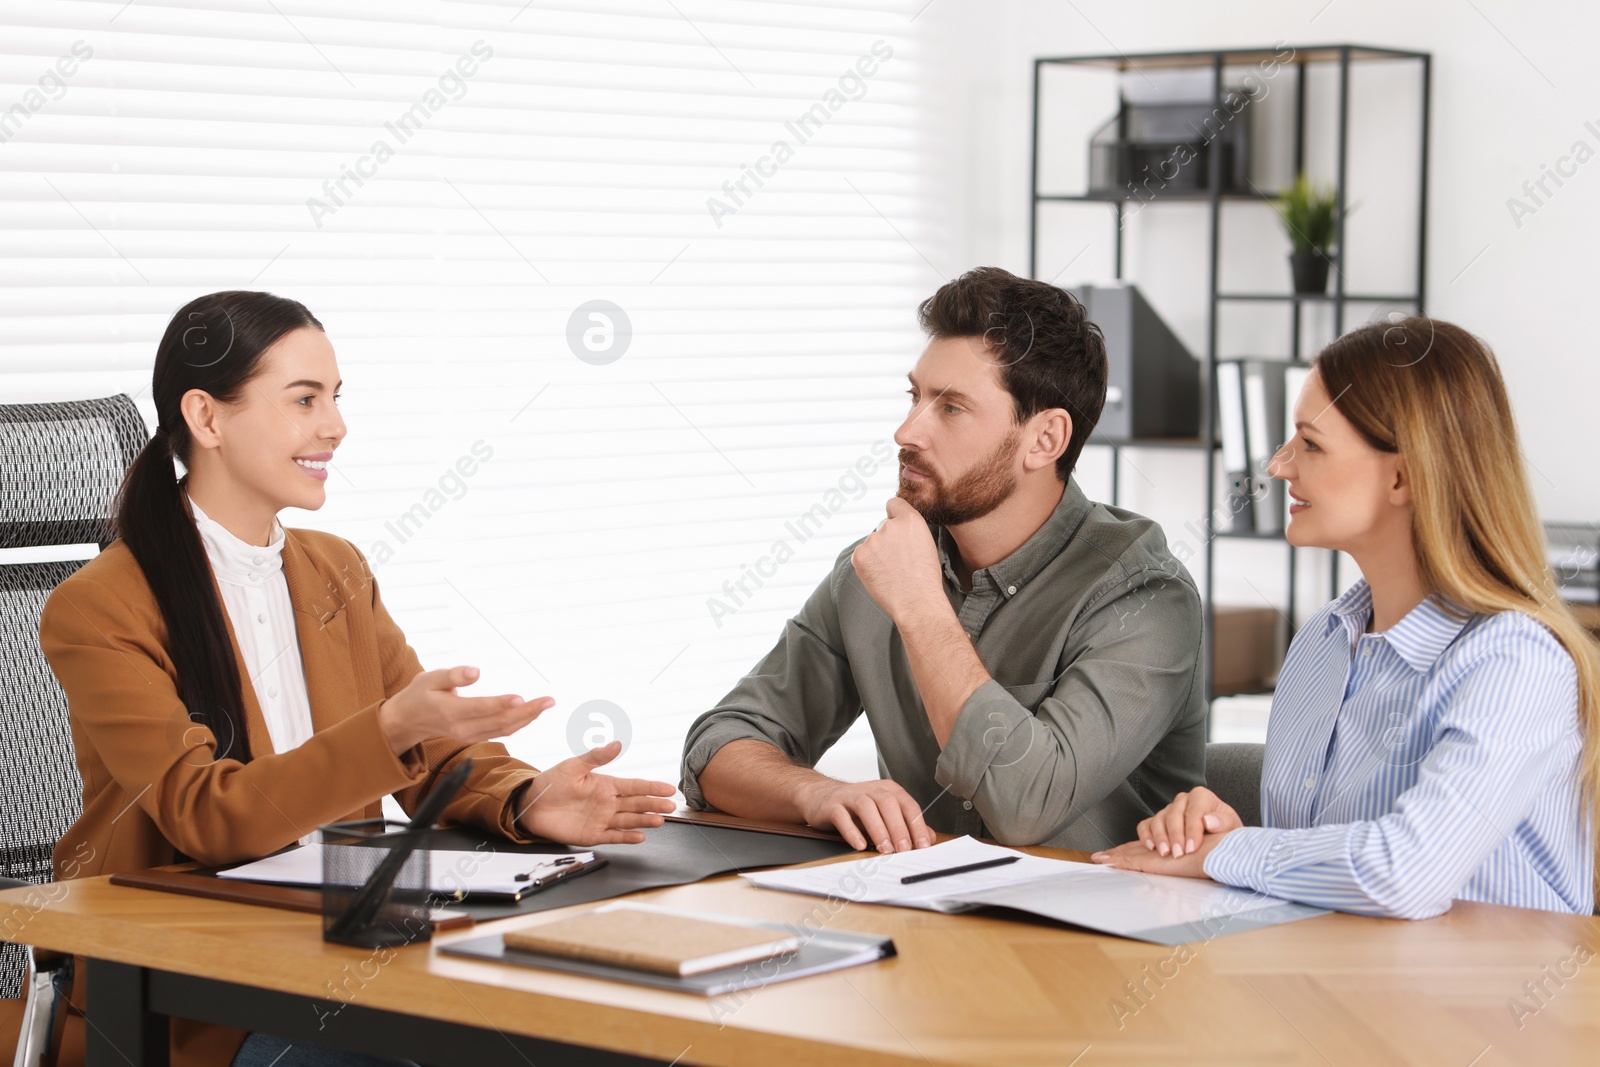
point(1433, 762)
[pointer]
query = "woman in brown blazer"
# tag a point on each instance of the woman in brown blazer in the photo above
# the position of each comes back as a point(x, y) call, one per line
point(233, 684)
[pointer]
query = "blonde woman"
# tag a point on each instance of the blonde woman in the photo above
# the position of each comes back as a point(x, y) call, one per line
point(1434, 731)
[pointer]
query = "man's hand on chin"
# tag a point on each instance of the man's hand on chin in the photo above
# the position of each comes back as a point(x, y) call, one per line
point(899, 563)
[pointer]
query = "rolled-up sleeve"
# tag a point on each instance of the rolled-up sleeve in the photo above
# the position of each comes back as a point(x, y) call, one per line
point(800, 698)
point(1507, 741)
point(1126, 677)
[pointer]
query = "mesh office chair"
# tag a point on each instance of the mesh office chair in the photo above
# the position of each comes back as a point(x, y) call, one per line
point(60, 468)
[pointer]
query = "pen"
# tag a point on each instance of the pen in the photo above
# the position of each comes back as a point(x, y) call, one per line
point(567, 869)
point(963, 869)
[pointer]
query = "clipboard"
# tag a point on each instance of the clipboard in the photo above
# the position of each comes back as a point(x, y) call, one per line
point(542, 876)
point(475, 875)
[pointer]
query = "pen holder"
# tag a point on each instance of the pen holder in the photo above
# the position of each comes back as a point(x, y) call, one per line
point(356, 910)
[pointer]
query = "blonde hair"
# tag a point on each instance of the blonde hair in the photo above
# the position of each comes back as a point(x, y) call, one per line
point(1432, 392)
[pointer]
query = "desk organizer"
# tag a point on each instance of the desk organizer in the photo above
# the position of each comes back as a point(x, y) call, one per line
point(374, 884)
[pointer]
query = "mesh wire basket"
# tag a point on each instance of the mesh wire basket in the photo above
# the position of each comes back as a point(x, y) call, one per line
point(398, 912)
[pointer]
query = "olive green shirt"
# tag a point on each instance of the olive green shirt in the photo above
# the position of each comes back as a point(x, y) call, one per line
point(1094, 716)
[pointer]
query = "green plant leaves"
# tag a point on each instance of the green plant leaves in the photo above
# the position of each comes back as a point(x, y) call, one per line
point(1308, 214)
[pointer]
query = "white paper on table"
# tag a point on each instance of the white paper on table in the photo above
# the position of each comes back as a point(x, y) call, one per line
point(1149, 907)
point(876, 879)
point(1139, 905)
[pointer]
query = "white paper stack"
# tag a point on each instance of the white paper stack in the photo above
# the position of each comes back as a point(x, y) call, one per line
point(1147, 907)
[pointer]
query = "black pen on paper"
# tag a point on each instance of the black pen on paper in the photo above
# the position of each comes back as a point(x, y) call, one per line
point(963, 869)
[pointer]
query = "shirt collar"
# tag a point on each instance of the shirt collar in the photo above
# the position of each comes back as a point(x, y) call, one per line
point(236, 561)
point(1355, 605)
point(1022, 566)
point(1420, 638)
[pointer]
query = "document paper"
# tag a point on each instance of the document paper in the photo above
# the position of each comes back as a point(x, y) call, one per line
point(1145, 907)
point(876, 879)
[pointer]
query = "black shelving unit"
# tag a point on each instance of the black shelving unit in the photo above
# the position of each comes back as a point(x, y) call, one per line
point(1342, 56)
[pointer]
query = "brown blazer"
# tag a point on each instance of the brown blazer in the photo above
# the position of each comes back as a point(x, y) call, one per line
point(153, 792)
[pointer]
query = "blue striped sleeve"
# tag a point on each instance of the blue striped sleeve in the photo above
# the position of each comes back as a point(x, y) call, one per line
point(1509, 727)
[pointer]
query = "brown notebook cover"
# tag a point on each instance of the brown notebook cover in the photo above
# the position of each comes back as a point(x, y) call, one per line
point(654, 941)
point(292, 898)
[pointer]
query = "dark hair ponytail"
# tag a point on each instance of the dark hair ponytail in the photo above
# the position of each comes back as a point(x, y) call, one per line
point(214, 344)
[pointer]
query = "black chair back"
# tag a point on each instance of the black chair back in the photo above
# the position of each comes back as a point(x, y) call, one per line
point(1233, 772)
point(60, 468)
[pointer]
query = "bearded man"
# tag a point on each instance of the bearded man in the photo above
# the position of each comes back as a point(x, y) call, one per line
point(1028, 659)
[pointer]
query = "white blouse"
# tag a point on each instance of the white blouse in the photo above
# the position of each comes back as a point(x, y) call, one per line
point(256, 596)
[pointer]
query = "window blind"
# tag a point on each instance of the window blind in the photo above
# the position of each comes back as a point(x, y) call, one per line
point(623, 295)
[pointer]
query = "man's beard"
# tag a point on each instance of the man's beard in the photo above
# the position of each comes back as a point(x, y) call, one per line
point(984, 487)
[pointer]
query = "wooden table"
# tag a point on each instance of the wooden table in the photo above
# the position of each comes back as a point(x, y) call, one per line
point(1462, 989)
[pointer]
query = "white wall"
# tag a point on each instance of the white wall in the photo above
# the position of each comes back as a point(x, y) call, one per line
point(1513, 85)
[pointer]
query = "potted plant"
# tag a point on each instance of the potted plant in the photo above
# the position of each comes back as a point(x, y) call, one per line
point(1308, 214)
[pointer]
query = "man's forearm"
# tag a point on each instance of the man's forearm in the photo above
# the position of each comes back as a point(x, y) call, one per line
point(944, 665)
point(755, 780)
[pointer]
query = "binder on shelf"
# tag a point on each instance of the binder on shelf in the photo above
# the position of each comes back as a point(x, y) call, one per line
point(1294, 380)
point(1152, 382)
point(1235, 447)
point(1250, 413)
point(1263, 416)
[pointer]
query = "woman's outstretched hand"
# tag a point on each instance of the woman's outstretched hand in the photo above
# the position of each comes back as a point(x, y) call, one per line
point(571, 802)
point(576, 805)
point(429, 707)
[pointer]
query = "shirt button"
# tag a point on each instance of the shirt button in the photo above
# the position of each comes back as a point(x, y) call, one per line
point(1310, 782)
point(1011, 590)
point(261, 617)
point(258, 561)
point(966, 805)
point(272, 692)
